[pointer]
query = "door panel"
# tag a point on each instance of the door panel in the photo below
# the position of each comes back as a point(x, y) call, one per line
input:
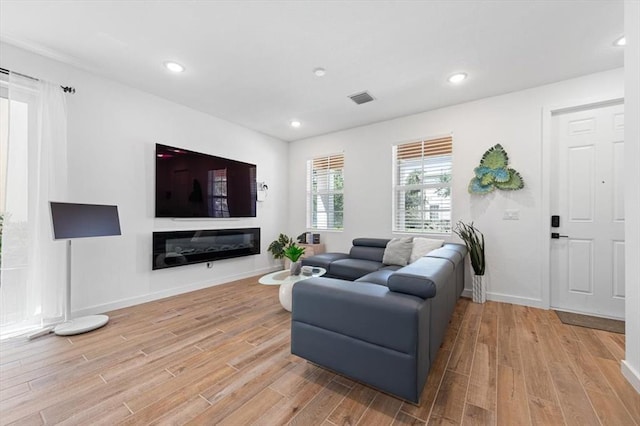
point(587, 267)
point(618, 181)
point(581, 183)
point(618, 269)
point(580, 266)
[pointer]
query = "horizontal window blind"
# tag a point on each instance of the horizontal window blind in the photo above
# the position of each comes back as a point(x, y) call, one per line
point(421, 149)
point(422, 186)
point(325, 198)
point(329, 162)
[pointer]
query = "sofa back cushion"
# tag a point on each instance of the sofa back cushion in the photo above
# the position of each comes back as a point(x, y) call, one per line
point(368, 249)
point(453, 256)
point(460, 249)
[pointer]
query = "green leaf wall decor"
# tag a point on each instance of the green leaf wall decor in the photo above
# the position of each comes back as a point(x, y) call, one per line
point(493, 172)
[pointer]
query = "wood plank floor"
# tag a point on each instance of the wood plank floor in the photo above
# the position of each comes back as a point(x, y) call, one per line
point(221, 355)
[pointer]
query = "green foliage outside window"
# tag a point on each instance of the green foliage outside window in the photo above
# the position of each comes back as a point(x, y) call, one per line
point(327, 200)
point(415, 203)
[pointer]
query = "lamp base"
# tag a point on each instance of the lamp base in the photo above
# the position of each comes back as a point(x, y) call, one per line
point(81, 325)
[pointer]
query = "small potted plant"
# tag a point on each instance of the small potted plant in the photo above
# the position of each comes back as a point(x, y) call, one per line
point(276, 248)
point(294, 253)
point(474, 240)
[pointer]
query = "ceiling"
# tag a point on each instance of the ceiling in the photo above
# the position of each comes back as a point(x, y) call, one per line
point(252, 62)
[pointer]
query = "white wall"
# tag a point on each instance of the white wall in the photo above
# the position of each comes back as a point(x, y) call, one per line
point(112, 131)
point(515, 120)
point(631, 365)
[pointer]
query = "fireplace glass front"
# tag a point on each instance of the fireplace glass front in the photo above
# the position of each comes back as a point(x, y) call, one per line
point(178, 248)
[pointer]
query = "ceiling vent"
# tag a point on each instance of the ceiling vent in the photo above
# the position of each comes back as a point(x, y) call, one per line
point(361, 98)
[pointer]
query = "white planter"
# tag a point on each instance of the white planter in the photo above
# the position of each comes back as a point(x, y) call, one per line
point(479, 290)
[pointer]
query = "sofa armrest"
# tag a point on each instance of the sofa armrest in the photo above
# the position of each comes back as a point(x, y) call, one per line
point(370, 313)
point(422, 278)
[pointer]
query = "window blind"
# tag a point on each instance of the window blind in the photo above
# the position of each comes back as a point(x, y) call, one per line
point(422, 188)
point(325, 198)
point(329, 162)
point(429, 148)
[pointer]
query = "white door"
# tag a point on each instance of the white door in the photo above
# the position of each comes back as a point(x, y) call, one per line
point(587, 260)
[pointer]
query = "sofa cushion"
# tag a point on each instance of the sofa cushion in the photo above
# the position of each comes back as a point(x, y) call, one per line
point(323, 260)
point(421, 278)
point(446, 253)
point(352, 269)
point(422, 246)
point(391, 267)
point(367, 253)
point(379, 277)
point(460, 248)
point(397, 252)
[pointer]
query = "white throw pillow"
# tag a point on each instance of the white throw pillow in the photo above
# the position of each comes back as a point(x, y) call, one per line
point(397, 252)
point(422, 246)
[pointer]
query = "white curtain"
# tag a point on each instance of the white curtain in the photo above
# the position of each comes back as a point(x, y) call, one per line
point(33, 171)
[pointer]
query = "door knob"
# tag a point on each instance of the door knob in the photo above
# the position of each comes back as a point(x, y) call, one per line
point(556, 235)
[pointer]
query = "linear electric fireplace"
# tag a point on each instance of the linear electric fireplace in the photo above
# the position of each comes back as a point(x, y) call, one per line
point(178, 248)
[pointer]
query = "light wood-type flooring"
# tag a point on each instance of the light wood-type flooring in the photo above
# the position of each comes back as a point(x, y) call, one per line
point(221, 356)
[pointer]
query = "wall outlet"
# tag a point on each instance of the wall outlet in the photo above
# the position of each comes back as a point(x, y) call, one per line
point(511, 215)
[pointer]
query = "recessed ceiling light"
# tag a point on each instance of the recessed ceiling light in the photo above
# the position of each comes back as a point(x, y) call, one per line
point(457, 78)
point(622, 41)
point(319, 72)
point(174, 66)
point(295, 123)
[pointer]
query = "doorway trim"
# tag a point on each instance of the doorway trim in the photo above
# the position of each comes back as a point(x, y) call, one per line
point(547, 138)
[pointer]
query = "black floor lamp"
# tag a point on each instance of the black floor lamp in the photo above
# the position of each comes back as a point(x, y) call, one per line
point(81, 221)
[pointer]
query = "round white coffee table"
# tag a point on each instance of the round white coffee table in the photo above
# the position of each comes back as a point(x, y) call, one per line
point(286, 281)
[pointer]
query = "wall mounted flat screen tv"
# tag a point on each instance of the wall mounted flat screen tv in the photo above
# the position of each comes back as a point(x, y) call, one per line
point(192, 184)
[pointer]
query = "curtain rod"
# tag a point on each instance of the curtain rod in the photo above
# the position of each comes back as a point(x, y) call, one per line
point(65, 89)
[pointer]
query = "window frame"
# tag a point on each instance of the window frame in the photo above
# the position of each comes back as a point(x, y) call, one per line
point(338, 158)
point(217, 195)
point(397, 189)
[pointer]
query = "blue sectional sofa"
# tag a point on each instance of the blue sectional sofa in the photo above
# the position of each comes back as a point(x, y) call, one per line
point(378, 324)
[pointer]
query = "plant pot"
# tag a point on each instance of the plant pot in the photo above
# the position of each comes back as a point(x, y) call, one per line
point(479, 290)
point(296, 268)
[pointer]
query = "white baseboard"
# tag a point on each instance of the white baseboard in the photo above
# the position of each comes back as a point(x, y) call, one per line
point(125, 303)
point(631, 375)
point(506, 298)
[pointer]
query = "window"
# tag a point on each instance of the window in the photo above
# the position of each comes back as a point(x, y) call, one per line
point(422, 186)
point(33, 170)
point(325, 197)
point(217, 193)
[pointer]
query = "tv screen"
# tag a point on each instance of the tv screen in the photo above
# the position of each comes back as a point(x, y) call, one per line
point(71, 220)
point(192, 184)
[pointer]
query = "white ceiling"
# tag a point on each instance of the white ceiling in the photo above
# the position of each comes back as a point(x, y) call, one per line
point(251, 62)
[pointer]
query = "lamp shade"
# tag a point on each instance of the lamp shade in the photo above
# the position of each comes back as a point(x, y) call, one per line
point(72, 220)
